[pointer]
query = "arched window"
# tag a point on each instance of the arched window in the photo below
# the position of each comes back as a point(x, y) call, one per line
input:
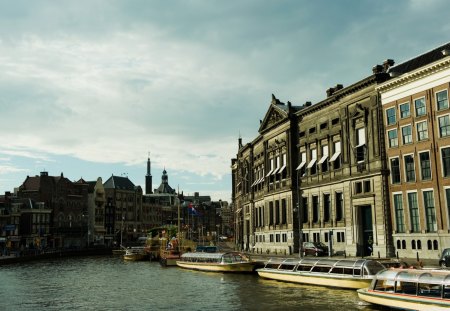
point(435, 245)
point(429, 245)
point(419, 244)
point(403, 244)
point(399, 244)
point(413, 244)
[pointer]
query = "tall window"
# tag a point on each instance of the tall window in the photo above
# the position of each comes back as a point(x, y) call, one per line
point(442, 100)
point(409, 168)
point(315, 208)
point(277, 212)
point(312, 166)
point(339, 206)
point(425, 167)
point(422, 130)
point(444, 126)
point(419, 104)
point(399, 215)
point(404, 110)
point(413, 211)
point(407, 134)
point(283, 212)
point(323, 162)
point(395, 171)
point(447, 197)
point(430, 211)
point(446, 161)
point(305, 209)
point(270, 213)
point(336, 157)
point(390, 116)
point(360, 144)
point(326, 207)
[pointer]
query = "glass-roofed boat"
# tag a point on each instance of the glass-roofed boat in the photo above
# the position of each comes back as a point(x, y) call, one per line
point(216, 262)
point(409, 289)
point(342, 273)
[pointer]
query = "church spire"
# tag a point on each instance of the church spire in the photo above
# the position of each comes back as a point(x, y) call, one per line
point(148, 177)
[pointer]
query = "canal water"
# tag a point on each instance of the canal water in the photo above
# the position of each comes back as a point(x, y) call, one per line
point(109, 283)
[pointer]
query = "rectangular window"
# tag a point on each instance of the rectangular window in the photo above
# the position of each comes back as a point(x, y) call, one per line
point(270, 213)
point(422, 130)
point(315, 208)
point(447, 197)
point(367, 187)
point(360, 144)
point(446, 161)
point(442, 100)
point(407, 134)
point(399, 215)
point(336, 157)
point(305, 209)
point(419, 104)
point(404, 110)
point(430, 211)
point(390, 116)
point(395, 171)
point(409, 168)
point(413, 211)
point(393, 138)
point(339, 206)
point(358, 187)
point(312, 166)
point(283, 211)
point(425, 167)
point(444, 126)
point(326, 207)
point(277, 212)
point(323, 162)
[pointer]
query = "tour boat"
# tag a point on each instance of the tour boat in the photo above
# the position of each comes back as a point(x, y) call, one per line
point(342, 273)
point(216, 262)
point(135, 254)
point(409, 289)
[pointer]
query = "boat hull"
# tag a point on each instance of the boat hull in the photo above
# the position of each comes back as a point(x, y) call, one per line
point(316, 279)
point(395, 300)
point(217, 267)
point(134, 257)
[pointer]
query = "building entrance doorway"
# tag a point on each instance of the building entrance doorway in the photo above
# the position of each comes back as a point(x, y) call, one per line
point(366, 242)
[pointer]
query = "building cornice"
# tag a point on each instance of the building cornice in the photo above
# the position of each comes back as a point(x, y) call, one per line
point(414, 75)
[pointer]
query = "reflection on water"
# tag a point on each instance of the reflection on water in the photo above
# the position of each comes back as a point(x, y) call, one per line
point(109, 283)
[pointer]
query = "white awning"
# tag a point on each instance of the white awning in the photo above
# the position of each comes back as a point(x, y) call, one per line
point(282, 169)
point(360, 145)
point(335, 156)
point(254, 183)
point(270, 172)
point(310, 164)
point(261, 180)
point(301, 165)
point(322, 159)
point(275, 171)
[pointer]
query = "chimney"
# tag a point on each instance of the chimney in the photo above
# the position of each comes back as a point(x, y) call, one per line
point(330, 91)
point(388, 63)
point(307, 104)
point(377, 69)
point(338, 87)
point(44, 174)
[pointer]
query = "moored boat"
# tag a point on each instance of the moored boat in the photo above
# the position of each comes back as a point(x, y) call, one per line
point(342, 273)
point(135, 254)
point(216, 262)
point(409, 289)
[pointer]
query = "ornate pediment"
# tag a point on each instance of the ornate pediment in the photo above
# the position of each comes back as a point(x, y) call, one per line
point(274, 115)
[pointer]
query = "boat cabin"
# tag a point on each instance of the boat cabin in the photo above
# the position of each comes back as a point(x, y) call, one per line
point(232, 257)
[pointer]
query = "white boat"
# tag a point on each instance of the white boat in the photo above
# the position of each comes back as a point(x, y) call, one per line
point(409, 289)
point(342, 273)
point(216, 262)
point(135, 254)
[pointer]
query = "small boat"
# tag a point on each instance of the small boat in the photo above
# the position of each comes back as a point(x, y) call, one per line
point(216, 262)
point(342, 273)
point(169, 257)
point(135, 254)
point(409, 289)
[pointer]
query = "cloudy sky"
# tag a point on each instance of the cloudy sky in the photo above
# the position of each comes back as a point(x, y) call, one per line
point(89, 88)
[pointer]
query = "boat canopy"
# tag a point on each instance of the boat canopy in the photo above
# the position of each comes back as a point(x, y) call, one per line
point(214, 257)
point(370, 267)
point(416, 276)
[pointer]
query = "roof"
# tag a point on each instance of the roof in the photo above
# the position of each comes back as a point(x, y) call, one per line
point(118, 182)
point(421, 60)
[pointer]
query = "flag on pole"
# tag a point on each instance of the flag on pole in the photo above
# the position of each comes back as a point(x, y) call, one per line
point(192, 210)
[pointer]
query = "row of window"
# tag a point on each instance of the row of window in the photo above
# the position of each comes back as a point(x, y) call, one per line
point(327, 205)
point(278, 238)
point(410, 201)
point(421, 132)
point(277, 214)
point(419, 108)
point(424, 162)
point(431, 245)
